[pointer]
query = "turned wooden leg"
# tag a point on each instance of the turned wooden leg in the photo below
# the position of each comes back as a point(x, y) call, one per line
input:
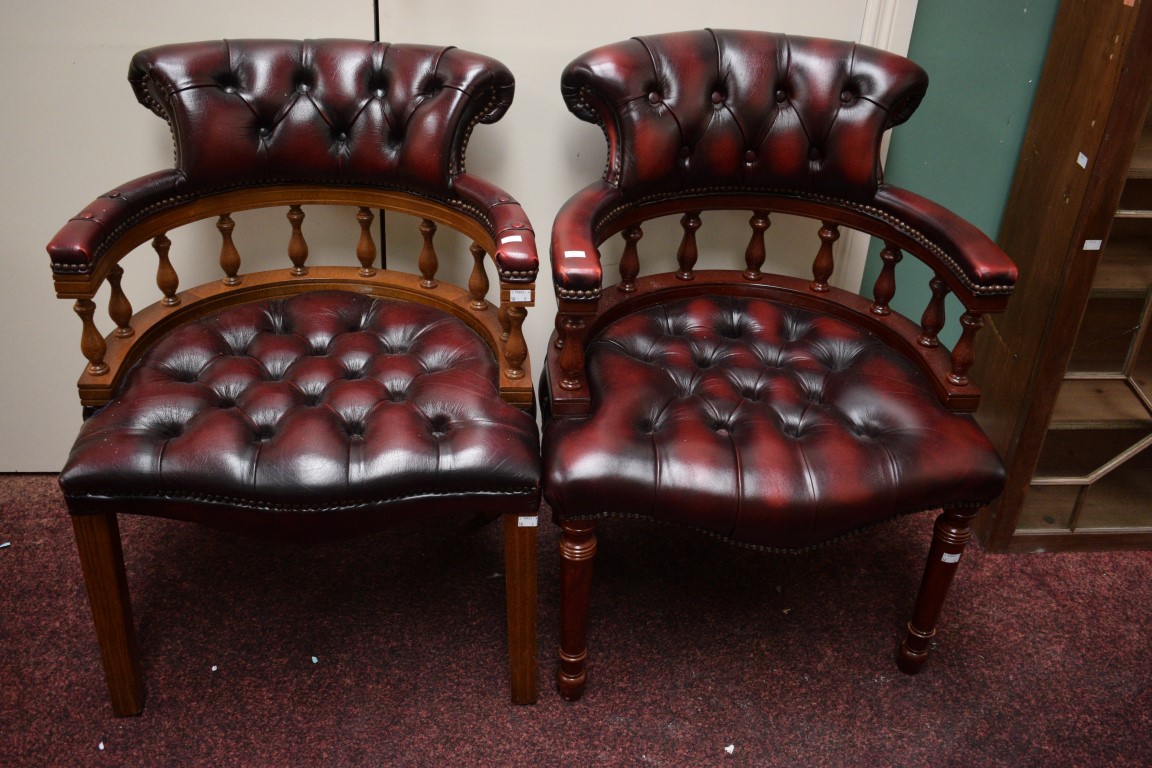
point(577, 548)
point(953, 529)
point(520, 586)
point(102, 560)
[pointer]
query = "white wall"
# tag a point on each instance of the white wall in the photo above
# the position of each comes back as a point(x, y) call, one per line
point(71, 129)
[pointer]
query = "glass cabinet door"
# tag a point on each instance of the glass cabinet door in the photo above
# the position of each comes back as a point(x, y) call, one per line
point(1095, 468)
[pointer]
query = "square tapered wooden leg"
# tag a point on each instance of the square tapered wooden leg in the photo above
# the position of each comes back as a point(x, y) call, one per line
point(520, 585)
point(102, 560)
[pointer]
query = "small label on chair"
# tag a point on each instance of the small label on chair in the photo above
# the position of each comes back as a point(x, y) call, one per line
point(1093, 245)
point(526, 521)
point(511, 239)
point(951, 558)
point(575, 255)
point(1082, 160)
point(520, 295)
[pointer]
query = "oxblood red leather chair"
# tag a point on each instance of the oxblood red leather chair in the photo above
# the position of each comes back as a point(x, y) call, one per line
point(305, 402)
point(768, 410)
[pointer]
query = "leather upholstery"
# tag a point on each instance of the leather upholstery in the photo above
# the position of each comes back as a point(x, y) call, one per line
point(765, 409)
point(324, 414)
point(246, 113)
point(761, 423)
point(311, 402)
point(741, 108)
point(720, 112)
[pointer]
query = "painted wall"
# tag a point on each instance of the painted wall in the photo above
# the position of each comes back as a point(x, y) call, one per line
point(960, 148)
point(72, 130)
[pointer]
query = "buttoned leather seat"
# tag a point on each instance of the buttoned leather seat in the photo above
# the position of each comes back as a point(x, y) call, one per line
point(327, 412)
point(305, 402)
point(764, 409)
point(761, 423)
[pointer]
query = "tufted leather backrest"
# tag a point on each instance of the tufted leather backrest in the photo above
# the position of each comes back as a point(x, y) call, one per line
point(325, 114)
point(246, 111)
point(721, 110)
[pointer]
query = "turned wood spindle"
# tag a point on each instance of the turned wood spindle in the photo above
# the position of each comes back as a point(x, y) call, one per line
point(119, 308)
point(229, 256)
point(933, 319)
point(516, 349)
point(366, 246)
point(383, 218)
point(428, 262)
point(572, 354)
point(297, 245)
point(505, 322)
point(964, 353)
point(686, 255)
point(478, 280)
point(630, 260)
point(559, 325)
point(755, 253)
point(823, 265)
point(885, 287)
point(92, 342)
point(166, 278)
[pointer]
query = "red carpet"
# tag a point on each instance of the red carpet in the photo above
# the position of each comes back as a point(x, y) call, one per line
point(1043, 660)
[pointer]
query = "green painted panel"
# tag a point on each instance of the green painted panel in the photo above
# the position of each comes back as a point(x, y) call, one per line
point(983, 59)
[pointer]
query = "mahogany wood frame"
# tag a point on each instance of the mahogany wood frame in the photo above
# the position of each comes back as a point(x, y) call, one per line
point(578, 548)
point(122, 350)
point(97, 536)
point(579, 321)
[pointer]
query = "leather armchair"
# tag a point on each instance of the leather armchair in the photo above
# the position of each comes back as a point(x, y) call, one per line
point(770, 410)
point(305, 402)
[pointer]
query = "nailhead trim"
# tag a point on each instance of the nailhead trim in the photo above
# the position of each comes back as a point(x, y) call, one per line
point(343, 506)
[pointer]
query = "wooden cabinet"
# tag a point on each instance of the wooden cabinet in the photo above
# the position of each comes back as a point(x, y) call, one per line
point(1067, 370)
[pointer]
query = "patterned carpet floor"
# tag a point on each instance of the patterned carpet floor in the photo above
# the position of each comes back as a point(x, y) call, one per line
point(389, 651)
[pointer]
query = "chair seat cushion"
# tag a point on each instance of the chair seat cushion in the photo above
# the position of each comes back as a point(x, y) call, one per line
point(324, 402)
point(761, 423)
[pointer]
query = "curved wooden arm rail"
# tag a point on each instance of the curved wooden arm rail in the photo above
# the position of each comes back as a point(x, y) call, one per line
point(113, 356)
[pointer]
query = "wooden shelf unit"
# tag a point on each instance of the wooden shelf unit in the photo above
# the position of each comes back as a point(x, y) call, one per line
point(1141, 166)
point(1067, 370)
